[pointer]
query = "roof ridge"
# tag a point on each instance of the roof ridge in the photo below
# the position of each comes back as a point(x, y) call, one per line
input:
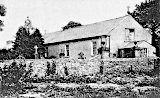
point(117, 24)
point(90, 24)
point(94, 29)
point(106, 20)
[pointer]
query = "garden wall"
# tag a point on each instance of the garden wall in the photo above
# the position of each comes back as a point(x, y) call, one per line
point(129, 64)
point(92, 66)
point(89, 66)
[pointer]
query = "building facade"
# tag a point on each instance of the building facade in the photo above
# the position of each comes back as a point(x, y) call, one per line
point(113, 35)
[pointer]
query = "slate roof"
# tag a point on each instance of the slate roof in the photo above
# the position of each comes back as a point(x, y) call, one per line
point(85, 31)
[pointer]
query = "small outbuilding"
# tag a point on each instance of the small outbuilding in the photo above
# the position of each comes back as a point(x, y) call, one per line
point(137, 49)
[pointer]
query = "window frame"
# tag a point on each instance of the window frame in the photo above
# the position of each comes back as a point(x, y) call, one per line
point(128, 34)
point(93, 47)
point(67, 50)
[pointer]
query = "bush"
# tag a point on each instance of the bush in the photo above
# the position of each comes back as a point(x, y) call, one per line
point(12, 78)
point(81, 55)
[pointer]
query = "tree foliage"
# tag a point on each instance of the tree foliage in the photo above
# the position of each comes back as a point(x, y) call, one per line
point(2, 13)
point(147, 14)
point(71, 24)
point(25, 42)
point(3, 54)
point(22, 43)
point(2, 10)
point(6, 54)
point(37, 39)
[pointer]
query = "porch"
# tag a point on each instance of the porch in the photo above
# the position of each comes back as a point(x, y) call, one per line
point(132, 52)
point(136, 49)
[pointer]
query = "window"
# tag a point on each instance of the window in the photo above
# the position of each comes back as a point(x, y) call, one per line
point(94, 48)
point(46, 53)
point(130, 34)
point(67, 50)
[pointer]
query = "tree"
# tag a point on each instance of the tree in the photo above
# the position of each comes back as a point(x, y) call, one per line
point(3, 54)
point(71, 24)
point(6, 54)
point(147, 14)
point(2, 13)
point(22, 43)
point(37, 39)
point(25, 42)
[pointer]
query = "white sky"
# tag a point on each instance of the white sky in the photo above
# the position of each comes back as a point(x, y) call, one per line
point(51, 15)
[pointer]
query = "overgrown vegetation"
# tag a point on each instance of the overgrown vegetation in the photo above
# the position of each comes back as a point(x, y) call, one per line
point(12, 78)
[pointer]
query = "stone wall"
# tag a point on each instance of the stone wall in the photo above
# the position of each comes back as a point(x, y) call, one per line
point(130, 64)
point(89, 66)
point(77, 67)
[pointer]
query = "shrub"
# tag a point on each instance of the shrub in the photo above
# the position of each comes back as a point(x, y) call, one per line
point(12, 78)
point(53, 70)
point(48, 71)
point(28, 73)
point(81, 55)
point(61, 55)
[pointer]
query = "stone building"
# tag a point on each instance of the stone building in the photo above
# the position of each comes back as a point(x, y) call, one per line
point(117, 36)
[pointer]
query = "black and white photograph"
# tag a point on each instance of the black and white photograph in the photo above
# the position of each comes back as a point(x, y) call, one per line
point(79, 48)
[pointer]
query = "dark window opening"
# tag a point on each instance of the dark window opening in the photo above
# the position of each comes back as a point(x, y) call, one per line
point(67, 50)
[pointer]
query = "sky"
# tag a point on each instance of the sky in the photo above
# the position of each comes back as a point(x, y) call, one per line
point(51, 15)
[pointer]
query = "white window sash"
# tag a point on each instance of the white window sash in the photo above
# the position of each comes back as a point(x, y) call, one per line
point(92, 48)
point(66, 50)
